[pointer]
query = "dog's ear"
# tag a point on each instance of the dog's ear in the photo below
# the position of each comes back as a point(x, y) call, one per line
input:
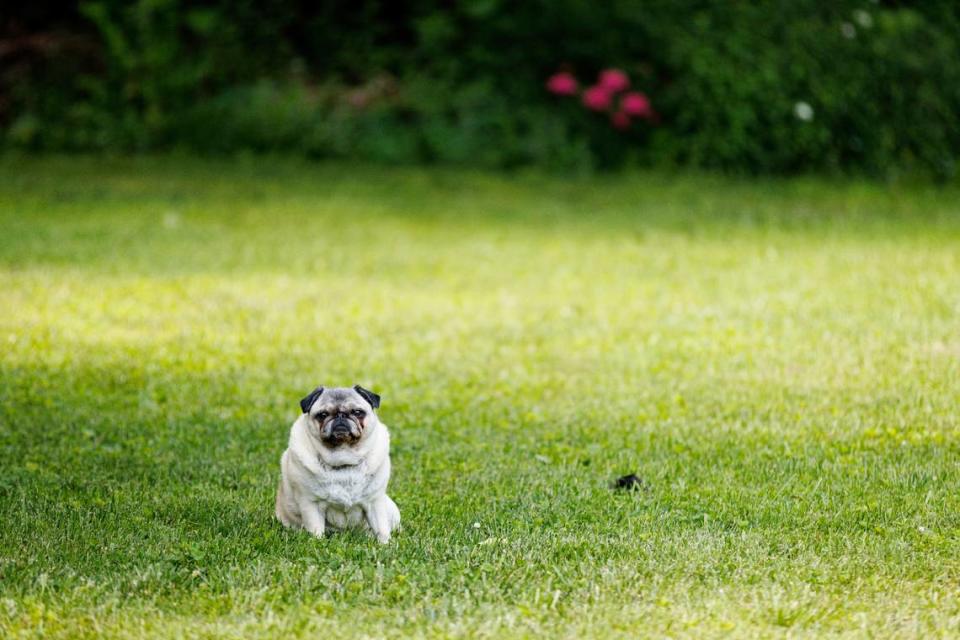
point(368, 395)
point(307, 402)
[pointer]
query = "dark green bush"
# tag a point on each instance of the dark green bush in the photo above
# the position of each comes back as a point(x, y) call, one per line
point(742, 86)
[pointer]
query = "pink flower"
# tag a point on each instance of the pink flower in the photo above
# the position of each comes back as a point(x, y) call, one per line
point(597, 98)
point(562, 84)
point(620, 120)
point(636, 104)
point(613, 80)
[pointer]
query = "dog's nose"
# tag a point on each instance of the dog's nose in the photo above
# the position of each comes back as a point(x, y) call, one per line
point(340, 426)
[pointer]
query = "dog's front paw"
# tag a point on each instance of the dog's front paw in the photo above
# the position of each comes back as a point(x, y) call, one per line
point(383, 517)
point(313, 521)
point(393, 515)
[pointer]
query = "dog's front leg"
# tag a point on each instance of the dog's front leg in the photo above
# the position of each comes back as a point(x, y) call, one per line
point(313, 517)
point(379, 517)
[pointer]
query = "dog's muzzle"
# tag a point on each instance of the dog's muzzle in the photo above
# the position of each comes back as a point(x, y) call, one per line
point(340, 431)
point(340, 426)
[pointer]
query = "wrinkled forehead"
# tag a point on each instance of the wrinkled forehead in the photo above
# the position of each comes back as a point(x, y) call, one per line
point(340, 398)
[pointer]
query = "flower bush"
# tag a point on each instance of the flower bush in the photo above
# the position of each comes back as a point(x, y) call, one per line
point(608, 96)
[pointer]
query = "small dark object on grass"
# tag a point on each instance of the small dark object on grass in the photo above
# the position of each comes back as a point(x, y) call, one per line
point(630, 483)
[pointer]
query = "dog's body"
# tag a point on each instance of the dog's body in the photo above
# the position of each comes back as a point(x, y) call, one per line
point(335, 470)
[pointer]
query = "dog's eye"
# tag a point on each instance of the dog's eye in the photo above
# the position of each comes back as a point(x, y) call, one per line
point(322, 415)
point(359, 413)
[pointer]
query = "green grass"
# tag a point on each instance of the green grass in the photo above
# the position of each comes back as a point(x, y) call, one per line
point(779, 360)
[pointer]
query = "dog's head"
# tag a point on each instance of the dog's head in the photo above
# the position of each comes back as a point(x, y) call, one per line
point(340, 415)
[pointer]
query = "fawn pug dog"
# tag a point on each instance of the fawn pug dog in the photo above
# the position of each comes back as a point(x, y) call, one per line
point(335, 470)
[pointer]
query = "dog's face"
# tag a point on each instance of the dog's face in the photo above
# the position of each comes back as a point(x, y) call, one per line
point(340, 416)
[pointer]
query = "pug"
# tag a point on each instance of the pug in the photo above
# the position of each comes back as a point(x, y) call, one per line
point(335, 470)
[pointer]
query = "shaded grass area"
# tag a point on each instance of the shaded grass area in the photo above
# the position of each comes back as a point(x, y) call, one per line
point(778, 359)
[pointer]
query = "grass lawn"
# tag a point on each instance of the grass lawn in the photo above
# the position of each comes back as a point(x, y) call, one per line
point(779, 360)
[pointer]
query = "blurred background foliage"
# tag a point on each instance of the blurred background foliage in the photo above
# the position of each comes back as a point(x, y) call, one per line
point(758, 87)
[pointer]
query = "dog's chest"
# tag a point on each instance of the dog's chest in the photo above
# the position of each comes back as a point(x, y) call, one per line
point(343, 487)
